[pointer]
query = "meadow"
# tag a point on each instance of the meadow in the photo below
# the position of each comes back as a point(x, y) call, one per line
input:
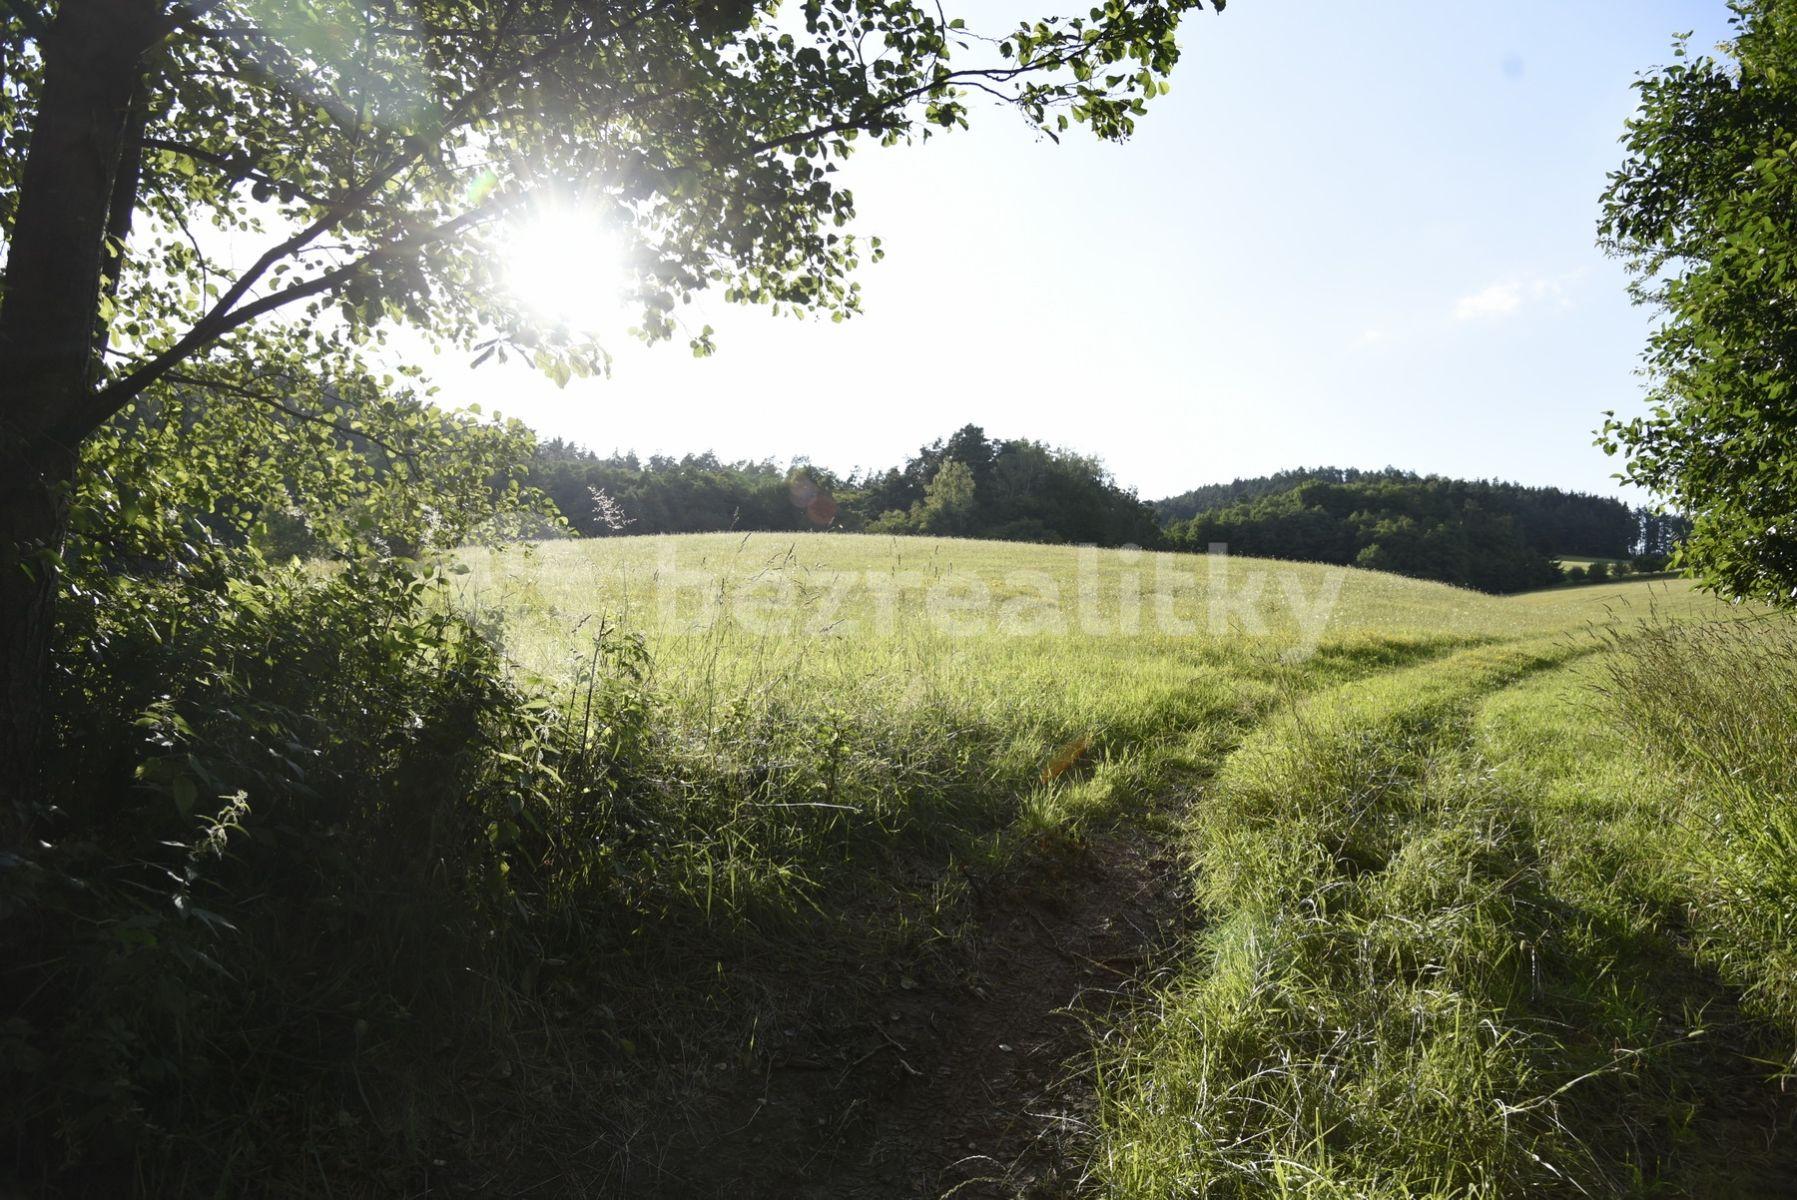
point(1455, 913)
point(365, 834)
point(1119, 646)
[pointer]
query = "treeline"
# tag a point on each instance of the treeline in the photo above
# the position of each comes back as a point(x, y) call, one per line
point(1430, 529)
point(966, 485)
point(1497, 537)
point(1550, 519)
point(697, 493)
point(1211, 496)
point(971, 486)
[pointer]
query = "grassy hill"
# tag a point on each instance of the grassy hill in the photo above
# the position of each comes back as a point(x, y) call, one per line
point(1039, 645)
point(820, 865)
point(549, 590)
point(1573, 560)
point(1400, 882)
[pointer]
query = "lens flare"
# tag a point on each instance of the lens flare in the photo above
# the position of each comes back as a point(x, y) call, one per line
point(564, 263)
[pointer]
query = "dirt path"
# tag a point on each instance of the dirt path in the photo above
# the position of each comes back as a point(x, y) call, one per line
point(976, 1086)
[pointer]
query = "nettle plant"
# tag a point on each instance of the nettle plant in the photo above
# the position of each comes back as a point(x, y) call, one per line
point(216, 193)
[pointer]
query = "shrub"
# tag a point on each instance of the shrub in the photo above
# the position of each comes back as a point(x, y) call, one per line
point(284, 820)
point(315, 852)
point(289, 806)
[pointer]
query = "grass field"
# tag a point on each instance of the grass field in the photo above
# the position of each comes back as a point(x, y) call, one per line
point(1454, 933)
point(1577, 561)
point(1143, 660)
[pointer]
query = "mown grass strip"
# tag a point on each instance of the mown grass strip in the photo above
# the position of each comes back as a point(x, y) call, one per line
point(1376, 1010)
point(1487, 927)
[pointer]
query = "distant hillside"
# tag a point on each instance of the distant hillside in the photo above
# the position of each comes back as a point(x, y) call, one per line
point(1552, 521)
point(1497, 537)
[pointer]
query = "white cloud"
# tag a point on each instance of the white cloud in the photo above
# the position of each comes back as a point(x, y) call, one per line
point(1508, 298)
point(1498, 300)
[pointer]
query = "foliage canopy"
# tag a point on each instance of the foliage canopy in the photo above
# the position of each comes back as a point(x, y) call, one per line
point(965, 485)
point(1497, 537)
point(372, 155)
point(1702, 211)
point(235, 197)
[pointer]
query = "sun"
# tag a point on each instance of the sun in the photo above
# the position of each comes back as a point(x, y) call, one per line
point(564, 264)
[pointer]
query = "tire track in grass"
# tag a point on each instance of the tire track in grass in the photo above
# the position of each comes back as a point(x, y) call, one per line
point(975, 1079)
point(1343, 1029)
point(1396, 995)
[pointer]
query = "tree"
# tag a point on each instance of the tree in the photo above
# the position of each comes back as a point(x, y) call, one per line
point(1475, 533)
point(948, 503)
point(1701, 210)
point(377, 152)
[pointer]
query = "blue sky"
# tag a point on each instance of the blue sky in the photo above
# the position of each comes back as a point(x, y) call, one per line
point(1357, 234)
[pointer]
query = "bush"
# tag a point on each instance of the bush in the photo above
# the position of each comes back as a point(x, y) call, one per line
point(287, 817)
point(1575, 574)
point(1597, 572)
point(325, 889)
point(315, 857)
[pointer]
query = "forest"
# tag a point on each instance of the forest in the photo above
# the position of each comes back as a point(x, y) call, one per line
point(965, 485)
point(1496, 537)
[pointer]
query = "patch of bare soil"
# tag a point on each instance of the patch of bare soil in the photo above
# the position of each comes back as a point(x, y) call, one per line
point(973, 1083)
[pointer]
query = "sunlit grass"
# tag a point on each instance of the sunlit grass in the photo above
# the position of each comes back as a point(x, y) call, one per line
point(1446, 952)
point(846, 620)
point(1169, 652)
point(1406, 985)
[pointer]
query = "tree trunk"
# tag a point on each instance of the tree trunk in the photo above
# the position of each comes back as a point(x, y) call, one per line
point(33, 518)
point(48, 317)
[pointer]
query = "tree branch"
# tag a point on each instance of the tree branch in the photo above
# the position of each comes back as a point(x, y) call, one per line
point(120, 208)
point(239, 169)
point(29, 17)
point(864, 120)
point(237, 389)
point(270, 67)
point(224, 316)
point(187, 13)
point(219, 322)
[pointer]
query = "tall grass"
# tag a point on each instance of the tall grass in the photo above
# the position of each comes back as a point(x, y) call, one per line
point(1716, 705)
point(1445, 951)
point(376, 882)
point(1357, 1021)
point(1363, 1023)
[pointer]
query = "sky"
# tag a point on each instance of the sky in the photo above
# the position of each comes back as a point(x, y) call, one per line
point(1352, 234)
